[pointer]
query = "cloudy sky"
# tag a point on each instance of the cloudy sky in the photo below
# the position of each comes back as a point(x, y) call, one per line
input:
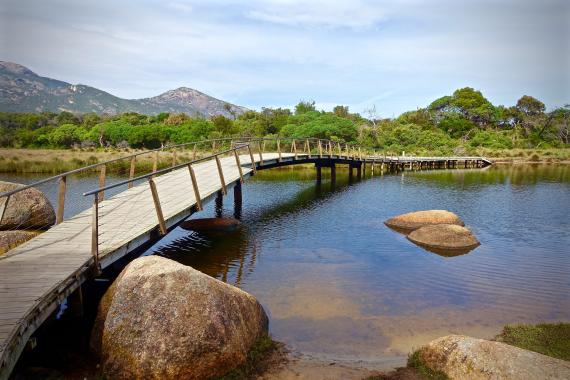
point(398, 55)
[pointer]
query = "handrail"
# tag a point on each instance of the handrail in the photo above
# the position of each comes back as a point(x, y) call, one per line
point(162, 171)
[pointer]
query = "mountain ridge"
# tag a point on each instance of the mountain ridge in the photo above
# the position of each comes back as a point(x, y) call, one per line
point(22, 90)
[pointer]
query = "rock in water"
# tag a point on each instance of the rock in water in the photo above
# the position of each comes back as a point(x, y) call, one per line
point(463, 357)
point(26, 209)
point(413, 220)
point(444, 237)
point(164, 320)
point(12, 239)
point(211, 224)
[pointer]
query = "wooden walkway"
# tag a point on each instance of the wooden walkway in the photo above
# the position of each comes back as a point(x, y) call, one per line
point(36, 277)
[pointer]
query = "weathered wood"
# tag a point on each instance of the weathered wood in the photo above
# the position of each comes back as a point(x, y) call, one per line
point(61, 200)
point(157, 206)
point(279, 150)
point(132, 170)
point(238, 163)
point(221, 174)
point(253, 165)
point(95, 232)
point(102, 177)
point(155, 162)
point(174, 157)
point(320, 149)
point(194, 151)
point(294, 148)
point(195, 187)
point(260, 153)
point(3, 205)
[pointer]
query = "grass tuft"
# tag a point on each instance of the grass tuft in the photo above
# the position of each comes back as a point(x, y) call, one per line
point(258, 360)
point(552, 339)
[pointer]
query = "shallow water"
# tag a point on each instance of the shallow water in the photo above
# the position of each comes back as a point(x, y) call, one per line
point(340, 285)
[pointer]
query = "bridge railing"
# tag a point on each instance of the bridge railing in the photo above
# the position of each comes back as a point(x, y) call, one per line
point(233, 151)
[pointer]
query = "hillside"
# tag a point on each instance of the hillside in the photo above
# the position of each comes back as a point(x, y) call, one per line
point(22, 90)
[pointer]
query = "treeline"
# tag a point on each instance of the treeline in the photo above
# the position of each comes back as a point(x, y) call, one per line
point(463, 120)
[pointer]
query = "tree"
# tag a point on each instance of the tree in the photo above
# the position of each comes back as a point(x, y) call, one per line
point(530, 106)
point(341, 111)
point(223, 125)
point(304, 107)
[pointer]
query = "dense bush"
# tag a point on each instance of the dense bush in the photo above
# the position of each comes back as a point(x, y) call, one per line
point(463, 120)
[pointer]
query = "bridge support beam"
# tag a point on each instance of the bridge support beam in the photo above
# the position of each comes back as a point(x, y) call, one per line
point(219, 203)
point(319, 174)
point(333, 174)
point(238, 201)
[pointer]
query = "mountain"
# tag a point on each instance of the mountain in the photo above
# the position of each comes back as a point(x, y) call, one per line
point(22, 90)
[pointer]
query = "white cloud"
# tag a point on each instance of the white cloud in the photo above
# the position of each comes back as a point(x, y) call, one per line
point(398, 55)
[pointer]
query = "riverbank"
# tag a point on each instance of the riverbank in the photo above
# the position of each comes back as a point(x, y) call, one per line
point(55, 161)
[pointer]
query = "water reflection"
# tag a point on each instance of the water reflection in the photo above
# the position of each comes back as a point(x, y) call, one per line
point(337, 283)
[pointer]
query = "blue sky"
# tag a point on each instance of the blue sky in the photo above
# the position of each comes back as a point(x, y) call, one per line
point(396, 55)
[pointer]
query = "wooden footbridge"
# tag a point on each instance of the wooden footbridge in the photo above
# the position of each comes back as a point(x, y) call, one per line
point(37, 276)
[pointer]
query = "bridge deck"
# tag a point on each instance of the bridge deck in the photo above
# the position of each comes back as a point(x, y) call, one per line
point(38, 275)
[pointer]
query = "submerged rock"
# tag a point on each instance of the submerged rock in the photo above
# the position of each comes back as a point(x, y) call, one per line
point(26, 209)
point(211, 225)
point(163, 320)
point(445, 238)
point(12, 239)
point(414, 220)
point(463, 357)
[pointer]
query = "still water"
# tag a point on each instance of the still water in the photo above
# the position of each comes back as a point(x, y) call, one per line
point(339, 285)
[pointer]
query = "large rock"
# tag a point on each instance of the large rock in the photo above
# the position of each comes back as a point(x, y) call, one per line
point(12, 239)
point(26, 209)
point(414, 220)
point(463, 357)
point(444, 237)
point(164, 320)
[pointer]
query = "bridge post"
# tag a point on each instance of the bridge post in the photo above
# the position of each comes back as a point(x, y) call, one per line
point(132, 170)
point(219, 204)
point(364, 167)
point(319, 173)
point(102, 176)
point(195, 187)
point(95, 233)
point(173, 157)
point(61, 199)
point(155, 162)
point(308, 146)
point(359, 171)
point(253, 165)
point(279, 149)
point(238, 163)
point(320, 149)
point(333, 173)
point(238, 200)
point(260, 155)
point(157, 207)
point(194, 151)
point(294, 148)
point(339, 150)
point(330, 149)
point(221, 174)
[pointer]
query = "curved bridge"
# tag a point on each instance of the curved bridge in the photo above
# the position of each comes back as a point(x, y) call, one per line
point(37, 276)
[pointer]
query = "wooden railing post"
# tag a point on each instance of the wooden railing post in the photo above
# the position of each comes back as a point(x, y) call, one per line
point(155, 162)
point(339, 149)
point(194, 151)
point(61, 200)
point(95, 233)
point(221, 173)
point(253, 165)
point(320, 149)
point(294, 148)
point(347, 151)
point(308, 146)
point(279, 149)
point(213, 146)
point(359, 154)
point(3, 206)
point(238, 163)
point(330, 148)
point(173, 157)
point(157, 207)
point(132, 170)
point(260, 153)
point(195, 187)
point(102, 176)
